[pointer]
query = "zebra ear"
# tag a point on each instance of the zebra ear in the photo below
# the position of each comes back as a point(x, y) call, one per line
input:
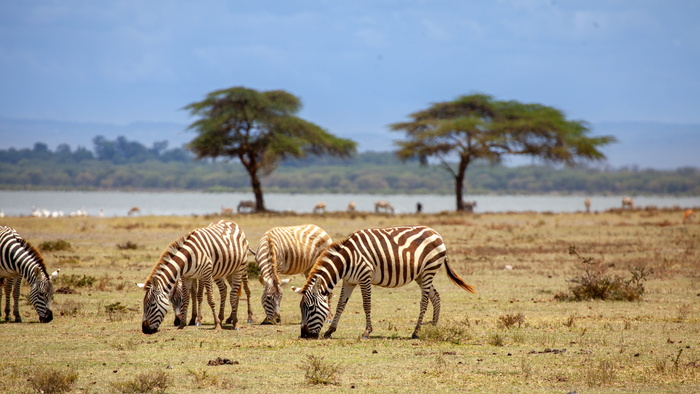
point(54, 274)
point(261, 280)
point(285, 281)
point(297, 289)
point(141, 285)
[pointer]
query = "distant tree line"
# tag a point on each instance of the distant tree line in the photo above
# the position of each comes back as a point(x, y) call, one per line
point(121, 164)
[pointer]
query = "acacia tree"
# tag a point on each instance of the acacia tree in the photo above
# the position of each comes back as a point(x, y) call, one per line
point(478, 127)
point(260, 129)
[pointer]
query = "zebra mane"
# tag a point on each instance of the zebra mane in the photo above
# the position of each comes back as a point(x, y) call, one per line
point(311, 278)
point(168, 254)
point(33, 252)
point(273, 259)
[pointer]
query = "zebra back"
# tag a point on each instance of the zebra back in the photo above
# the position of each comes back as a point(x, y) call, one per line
point(290, 250)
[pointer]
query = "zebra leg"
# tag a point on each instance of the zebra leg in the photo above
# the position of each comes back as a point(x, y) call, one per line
point(197, 310)
point(435, 300)
point(195, 295)
point(330, 310)
point(15, 297)
point(209, 286)
point(186, 290)
point(246, 288)
point(366, 289)
point(423, 307)
point(221, 284)
point(345, 294)
point(6, 287)
point(235, 297)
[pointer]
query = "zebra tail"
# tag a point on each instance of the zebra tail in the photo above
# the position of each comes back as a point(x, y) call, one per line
point(456, 279)
point(252, 251)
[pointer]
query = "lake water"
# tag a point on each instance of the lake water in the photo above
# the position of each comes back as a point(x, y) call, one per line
point(21, 203)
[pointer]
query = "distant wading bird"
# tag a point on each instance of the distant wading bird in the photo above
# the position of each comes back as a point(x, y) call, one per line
point(387, 257)
point(216, 251)
point(19, 259)
point(286, 250)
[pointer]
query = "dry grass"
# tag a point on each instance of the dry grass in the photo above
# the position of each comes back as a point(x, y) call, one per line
point(512, 336)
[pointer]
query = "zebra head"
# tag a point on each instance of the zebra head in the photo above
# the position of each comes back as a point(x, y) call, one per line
point(155, 305)
point(272, 299)
point(41, 295)
point(314, 310)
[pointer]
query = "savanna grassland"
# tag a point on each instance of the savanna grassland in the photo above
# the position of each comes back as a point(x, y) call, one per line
point(513, 336)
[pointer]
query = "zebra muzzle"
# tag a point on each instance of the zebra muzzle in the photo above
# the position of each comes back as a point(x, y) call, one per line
point(306, 334)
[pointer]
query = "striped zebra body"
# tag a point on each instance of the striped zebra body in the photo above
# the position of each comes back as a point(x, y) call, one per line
point(11, 285)
point(19, 259)
point(288, 251)
point(216, 251)
point(387, 257)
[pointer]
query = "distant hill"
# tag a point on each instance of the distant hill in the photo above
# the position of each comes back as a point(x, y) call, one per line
point(640, 144)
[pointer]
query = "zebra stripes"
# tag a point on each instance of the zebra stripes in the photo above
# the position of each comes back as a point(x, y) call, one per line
point(286, 250)
point(19, 259)
point(387, 257)
point(11, 286)
point(216, 251)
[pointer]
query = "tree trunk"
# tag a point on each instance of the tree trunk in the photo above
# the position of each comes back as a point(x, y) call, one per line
point(459, 182)
point(257, 191)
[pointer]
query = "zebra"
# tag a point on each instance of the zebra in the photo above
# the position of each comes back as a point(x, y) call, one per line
point(216, 251)
point(286, 250)
point(246, 205)
point(19, 259)
point(387, 257)
point(383, 206)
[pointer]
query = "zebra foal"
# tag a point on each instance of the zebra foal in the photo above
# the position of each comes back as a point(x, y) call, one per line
point(387, 257)
point(19, 259)
point(289, 251)
point(216, 251)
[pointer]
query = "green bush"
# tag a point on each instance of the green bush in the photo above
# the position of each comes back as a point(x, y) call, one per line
point(318, 371)
point(53, 246)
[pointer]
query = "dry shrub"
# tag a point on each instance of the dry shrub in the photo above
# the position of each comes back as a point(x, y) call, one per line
point(52, 380)
point(147, 382)
point(318, 371)
point(53, 246)
point(594, 284)
point(127, 245)
point(74, 280)
point(507, 321)
point(602, 373)
point(456, 331)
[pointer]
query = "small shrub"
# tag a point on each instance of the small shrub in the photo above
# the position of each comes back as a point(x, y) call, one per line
point(147, 382)
point(74, 280)
point(202, 379)
point(51, 380)
point(115, 311)
point(507, 321)
point(318, 371)
point(594, 284)
point(453, 331)
point(601, 374)
point(496, 340)
point(128, 245)
point(54, 246)
point(253, 271)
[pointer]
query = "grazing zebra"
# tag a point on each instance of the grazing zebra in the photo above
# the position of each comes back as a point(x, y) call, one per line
point(286, 250)
point(383, 206)
point(11, 285)
point(468, 206)
point(627, 203)
point(246, 205)
point(387, 257)
point(320, 207)
point(216, 251)
point(19, 259)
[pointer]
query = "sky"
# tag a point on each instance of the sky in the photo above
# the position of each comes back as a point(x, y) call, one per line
point(357, 66)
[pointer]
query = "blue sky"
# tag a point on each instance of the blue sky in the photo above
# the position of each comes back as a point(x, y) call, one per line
point(357, 65)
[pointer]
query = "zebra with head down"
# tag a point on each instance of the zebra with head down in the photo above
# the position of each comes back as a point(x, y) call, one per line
point(289, 251)
point(218, 250)
point(19, 259)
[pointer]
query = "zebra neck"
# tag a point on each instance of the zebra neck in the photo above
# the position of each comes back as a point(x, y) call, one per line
point(327, 275)
point(28, 269)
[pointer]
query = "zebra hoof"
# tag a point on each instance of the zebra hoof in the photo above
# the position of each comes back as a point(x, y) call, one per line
point(414, 336)
point(250, 321)
point(198, 324)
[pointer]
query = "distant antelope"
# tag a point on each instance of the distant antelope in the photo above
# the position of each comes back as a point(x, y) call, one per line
point(627, 203)
point(320, 207)
point(134, 210)
point(384, 206)
point(587, 203)
point(246, 205)
point(352, 206)
point(226, 211)
point(688, 216)
point(468, 206)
